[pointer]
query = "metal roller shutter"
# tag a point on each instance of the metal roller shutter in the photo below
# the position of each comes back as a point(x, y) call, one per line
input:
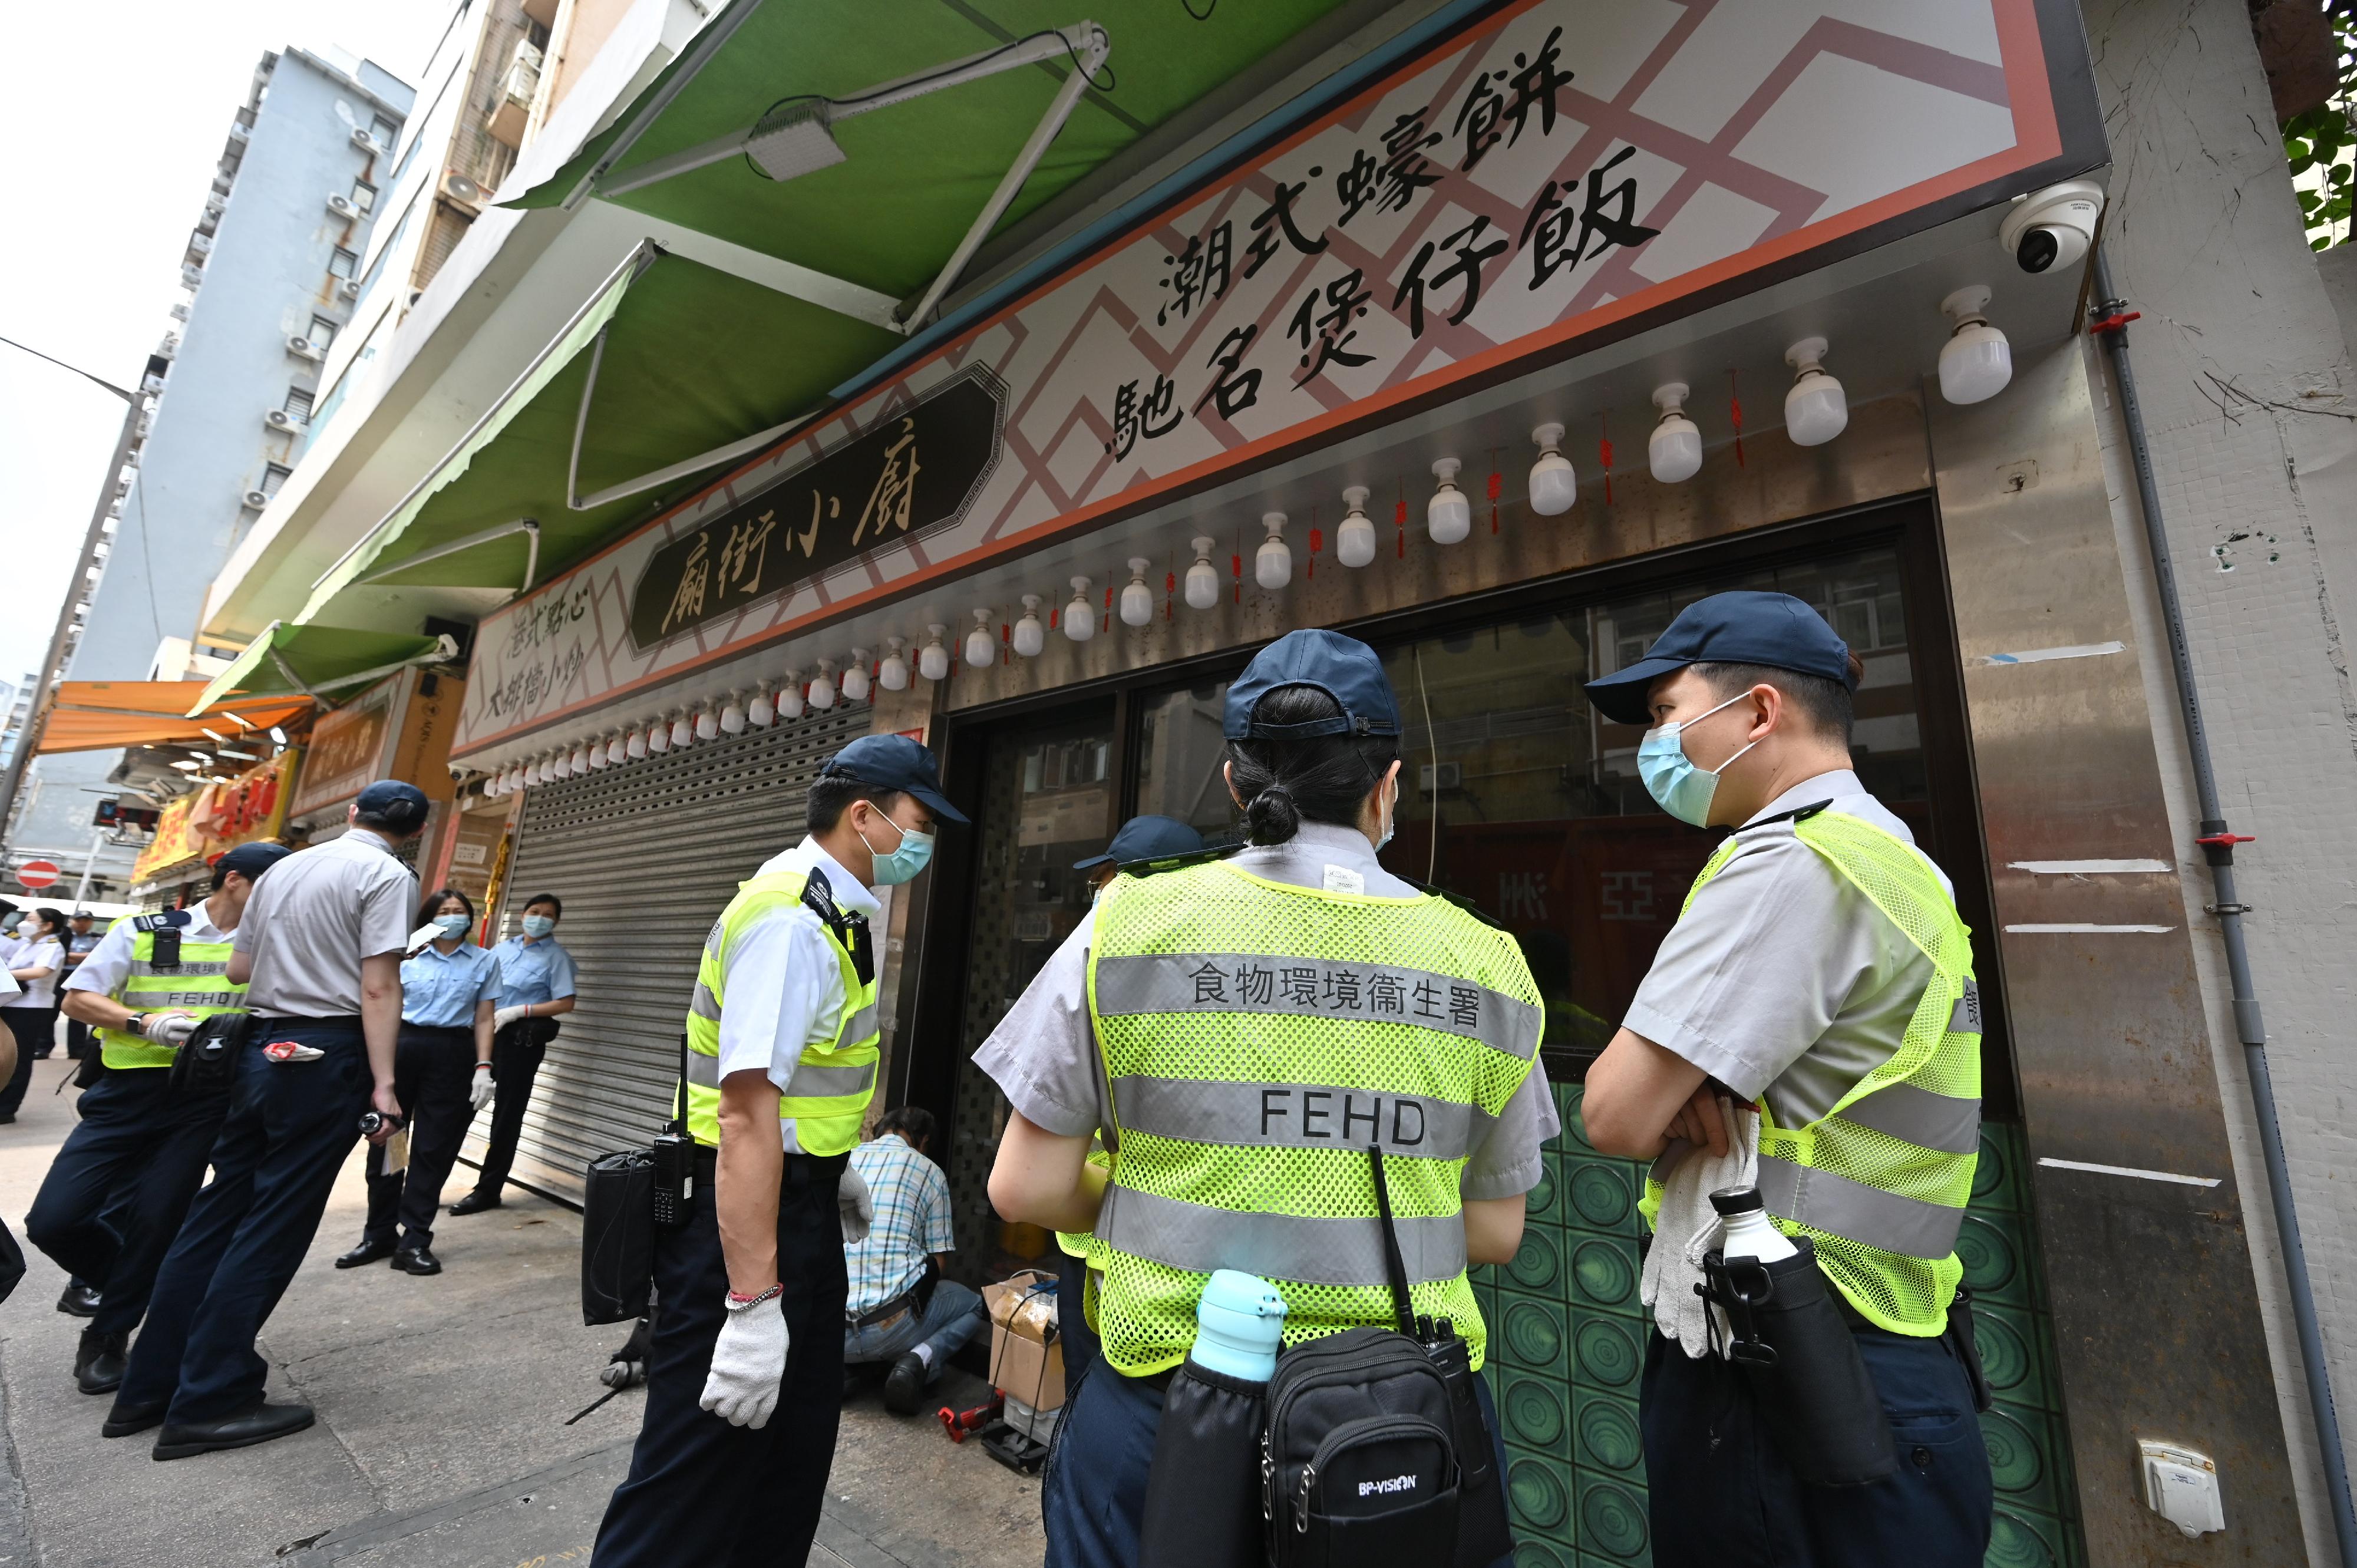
point(645, 856)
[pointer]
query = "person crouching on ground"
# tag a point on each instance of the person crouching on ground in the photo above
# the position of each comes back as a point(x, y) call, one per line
point(901, 1314)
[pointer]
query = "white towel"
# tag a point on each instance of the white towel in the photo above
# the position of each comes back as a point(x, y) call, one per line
point(1687, 1226)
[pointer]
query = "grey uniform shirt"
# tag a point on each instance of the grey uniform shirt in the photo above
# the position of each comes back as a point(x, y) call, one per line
point(315, 915)
point(1044, 1053)
point(1782, 980)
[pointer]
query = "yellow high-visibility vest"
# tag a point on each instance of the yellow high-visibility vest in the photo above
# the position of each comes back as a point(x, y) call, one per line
point(199, 983)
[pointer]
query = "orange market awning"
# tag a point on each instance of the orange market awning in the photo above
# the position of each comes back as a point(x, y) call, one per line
point(108, 715)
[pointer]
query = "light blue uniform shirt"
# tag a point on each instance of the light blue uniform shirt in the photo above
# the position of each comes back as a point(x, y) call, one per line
point(438, 990)
point(542, 971)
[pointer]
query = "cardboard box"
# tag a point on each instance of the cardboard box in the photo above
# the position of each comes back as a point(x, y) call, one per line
point(1027, 1352)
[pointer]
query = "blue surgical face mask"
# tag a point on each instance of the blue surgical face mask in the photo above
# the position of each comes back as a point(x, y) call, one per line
point(1671, 777)
point(914, 853)
point(452, 925)
point(538, 925)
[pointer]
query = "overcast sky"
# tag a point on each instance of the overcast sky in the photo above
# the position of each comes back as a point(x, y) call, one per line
point(115, 116)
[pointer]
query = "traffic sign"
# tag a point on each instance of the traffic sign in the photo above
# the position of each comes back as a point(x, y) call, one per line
point(38, 872)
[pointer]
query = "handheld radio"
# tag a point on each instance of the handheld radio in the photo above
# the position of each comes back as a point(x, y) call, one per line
point(674, 1158)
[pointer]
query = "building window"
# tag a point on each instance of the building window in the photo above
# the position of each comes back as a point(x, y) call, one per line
point(298, 402)
point(273, 476)
point(363, 195)
point(343, 263)
point(385, 132)
point(322, 333)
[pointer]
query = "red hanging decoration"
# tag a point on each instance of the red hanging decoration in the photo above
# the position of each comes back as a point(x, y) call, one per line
point(1005, 643)
point(1604, 433)
point(1735, 416)
point(1236, 564)
point(1106, 623)
point(1497, 485)
point(1170, 591)
point(1054, 613)
point(1317, 542)
point(1400, 517)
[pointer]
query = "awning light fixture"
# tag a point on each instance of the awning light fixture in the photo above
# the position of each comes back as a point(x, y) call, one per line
point(1137, 598)
point(1975, 362)
point(1273, 562)
point(1354, 542)
point(1079, 616)
point(1554, 486)
point(1448, 516)
point(1815, 409)
point(1674, 449)
point(1202, 577)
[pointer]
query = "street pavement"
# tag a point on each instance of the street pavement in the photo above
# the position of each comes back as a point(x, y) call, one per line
point(443, 1438)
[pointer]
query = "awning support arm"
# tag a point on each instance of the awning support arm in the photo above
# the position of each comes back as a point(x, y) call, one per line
point(527, 526)
point(1069, 41)
point(270, 639)
point(699, 54)
point(447, 648)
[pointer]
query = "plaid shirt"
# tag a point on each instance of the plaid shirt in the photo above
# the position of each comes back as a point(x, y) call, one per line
point(912, 1219)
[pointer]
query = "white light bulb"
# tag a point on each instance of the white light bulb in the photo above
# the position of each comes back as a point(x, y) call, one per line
point(822, 686)
point(1354, 542)
point(893, 673)
point(597, 755)
point(658, 737)
point(532, 773)
point(856, 682)
point(790, 696)
point(1554, 487)
point(981, 648)
point(1975, 362)
point(933, 658)
point(581, 758)
point(557, 769)
point(1273, 562)
point(1815, 410)
point(1079, 616)
point(732, 716)
point(1031, 636)
point(1136, 599)
point(636, 746)
point(562, 765)
point(682, 730)
point(1448, 517)
point(762, 711)
point(1674, 450)
point(707, 724)
point(1202, 578)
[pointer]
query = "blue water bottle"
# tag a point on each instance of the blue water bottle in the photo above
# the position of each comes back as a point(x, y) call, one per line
point(1202, 1496)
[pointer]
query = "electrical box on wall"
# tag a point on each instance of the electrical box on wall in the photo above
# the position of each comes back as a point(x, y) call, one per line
point(2181, 1486)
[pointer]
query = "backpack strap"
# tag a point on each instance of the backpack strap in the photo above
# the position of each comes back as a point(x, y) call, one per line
point(1402, 1309)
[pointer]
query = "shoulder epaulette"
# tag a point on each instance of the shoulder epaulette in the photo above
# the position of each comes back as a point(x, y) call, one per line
point(1149, 867)
point(163, 921)
point(818, 897)
point(1458, 900)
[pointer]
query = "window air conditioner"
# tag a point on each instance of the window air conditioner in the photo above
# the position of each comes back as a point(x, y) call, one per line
point(348, 289)
point(257, 500)
point(341, 205)
point(279, 419)
point(463, 189)
point(1433, 777)
point(201, 243)
point(364, 142)
point(216, 204)
point(191, 276)
point(303, 348)
point(180, 311)
point(168, 347)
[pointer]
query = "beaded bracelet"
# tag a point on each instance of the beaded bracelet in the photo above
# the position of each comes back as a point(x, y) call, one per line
point(740, 1303)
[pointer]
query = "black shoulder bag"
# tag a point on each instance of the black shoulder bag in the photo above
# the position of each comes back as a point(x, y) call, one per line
point(625, 1198)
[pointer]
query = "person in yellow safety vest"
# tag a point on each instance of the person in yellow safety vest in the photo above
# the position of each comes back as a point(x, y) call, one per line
point(1239, 1031)
point(143, 988)
point(744, 1378)
point(1815, 998)
point(1140, 838)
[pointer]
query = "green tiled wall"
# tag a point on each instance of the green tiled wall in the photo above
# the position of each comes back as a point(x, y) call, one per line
point(1567, 1344)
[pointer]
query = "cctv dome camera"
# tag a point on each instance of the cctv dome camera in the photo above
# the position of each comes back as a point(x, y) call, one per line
point(2054, 226)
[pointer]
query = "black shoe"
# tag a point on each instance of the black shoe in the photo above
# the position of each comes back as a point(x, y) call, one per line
point(904, 1385)
point(125, 1418)
point(7, 1117)
point(259, 1424)
point(417, 1261)
point(98, 1361)
point(365, 1253)
point(79, 1300)
point(475, 1203)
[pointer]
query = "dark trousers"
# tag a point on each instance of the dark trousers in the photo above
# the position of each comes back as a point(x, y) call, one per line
point(1071, 1315)
point(290, 1125)
point(34, 1028)
point(516, 1051)
point(700, 1490)
point(433, 1070)
point(1093, 1496)
point(117, 1191)
point(1722, 1497)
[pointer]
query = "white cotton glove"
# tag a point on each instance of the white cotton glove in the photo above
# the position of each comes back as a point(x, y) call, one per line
point(1687, 1226)
point(858, 1207)
point(480, 1094)
point(748, 1364)
point(170, 1028)
point(503, 1016)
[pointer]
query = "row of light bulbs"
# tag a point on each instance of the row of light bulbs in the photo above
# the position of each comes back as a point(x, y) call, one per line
point(1975, 364)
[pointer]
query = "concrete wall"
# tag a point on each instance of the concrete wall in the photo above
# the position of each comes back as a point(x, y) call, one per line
point(2246, 379)
point(266, 277)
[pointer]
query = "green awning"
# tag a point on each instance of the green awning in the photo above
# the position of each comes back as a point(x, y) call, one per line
point(915, 175)
point(318, 660)
point(692, 357)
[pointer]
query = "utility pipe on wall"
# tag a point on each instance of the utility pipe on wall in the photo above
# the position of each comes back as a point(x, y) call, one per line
point(2218, 842)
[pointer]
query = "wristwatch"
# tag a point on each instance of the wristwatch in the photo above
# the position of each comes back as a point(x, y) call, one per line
point(138, 1023)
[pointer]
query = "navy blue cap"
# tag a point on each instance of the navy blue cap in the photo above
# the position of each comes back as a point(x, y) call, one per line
point(1342, 667)
point(1146, 838)
point(1746, 627)
point(251, 860)
point(402, 807)
point(894, 762)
